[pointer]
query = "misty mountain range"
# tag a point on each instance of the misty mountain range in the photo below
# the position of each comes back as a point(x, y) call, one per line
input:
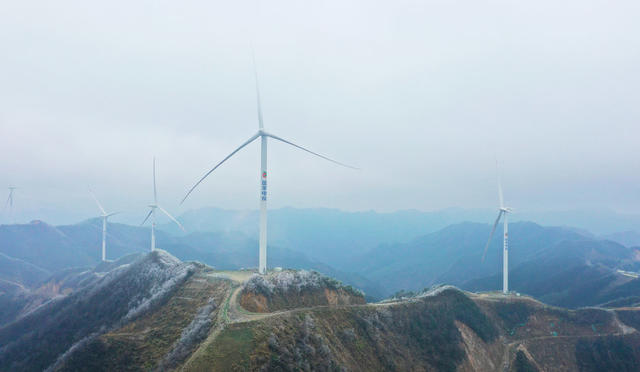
point(296, 224)
point(379, 253)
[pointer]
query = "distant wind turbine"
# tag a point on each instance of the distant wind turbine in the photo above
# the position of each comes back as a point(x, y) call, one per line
point(152, 212)
point(505, 242)
point(263, 135)
point(104, 217)
point(9, 204)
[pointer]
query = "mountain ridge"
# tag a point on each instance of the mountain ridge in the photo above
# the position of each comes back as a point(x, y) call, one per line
point(154, 312)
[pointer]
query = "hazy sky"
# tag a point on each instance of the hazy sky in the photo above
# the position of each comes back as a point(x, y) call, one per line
point(422, 95)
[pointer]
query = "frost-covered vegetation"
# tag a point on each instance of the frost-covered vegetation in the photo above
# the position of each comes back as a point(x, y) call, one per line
point(35, 341)
point(298, 281)
point(191, 336)
point(163, 276)
point(428, 291)
point(296, 289)
point(304, 350)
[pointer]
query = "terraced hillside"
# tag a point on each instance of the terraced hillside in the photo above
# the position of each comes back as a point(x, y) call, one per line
point(157, 313)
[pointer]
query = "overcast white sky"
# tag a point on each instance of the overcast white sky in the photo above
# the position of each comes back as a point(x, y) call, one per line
point(422, 95)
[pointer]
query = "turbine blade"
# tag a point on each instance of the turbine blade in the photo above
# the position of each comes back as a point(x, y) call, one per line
point(97, 202)
point(493, 230)
point(155, 192)
point(146, 218)
point(7, 203)
point(309, 151)
point(499, 186)
point(255, 72)
point(500, 193)
point(172, 218)
point(219, 164)
point(112, 213)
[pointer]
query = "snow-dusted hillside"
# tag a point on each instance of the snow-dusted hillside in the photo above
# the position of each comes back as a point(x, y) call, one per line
point(296, 288)
point(45, 336)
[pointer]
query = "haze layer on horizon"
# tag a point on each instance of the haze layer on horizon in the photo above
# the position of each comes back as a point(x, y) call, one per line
point(422, 96)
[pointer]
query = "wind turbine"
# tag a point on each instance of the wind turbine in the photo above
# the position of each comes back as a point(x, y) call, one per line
point(263, 135)
point(152, 212)
point(9, 203)
point(104, 217)
point(502, 211)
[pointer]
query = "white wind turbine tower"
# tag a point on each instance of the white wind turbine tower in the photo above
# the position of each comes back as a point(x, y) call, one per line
point(152, 212)
point(104, 217)
point(505, 242)
point(9, 204)
point(263, 135)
